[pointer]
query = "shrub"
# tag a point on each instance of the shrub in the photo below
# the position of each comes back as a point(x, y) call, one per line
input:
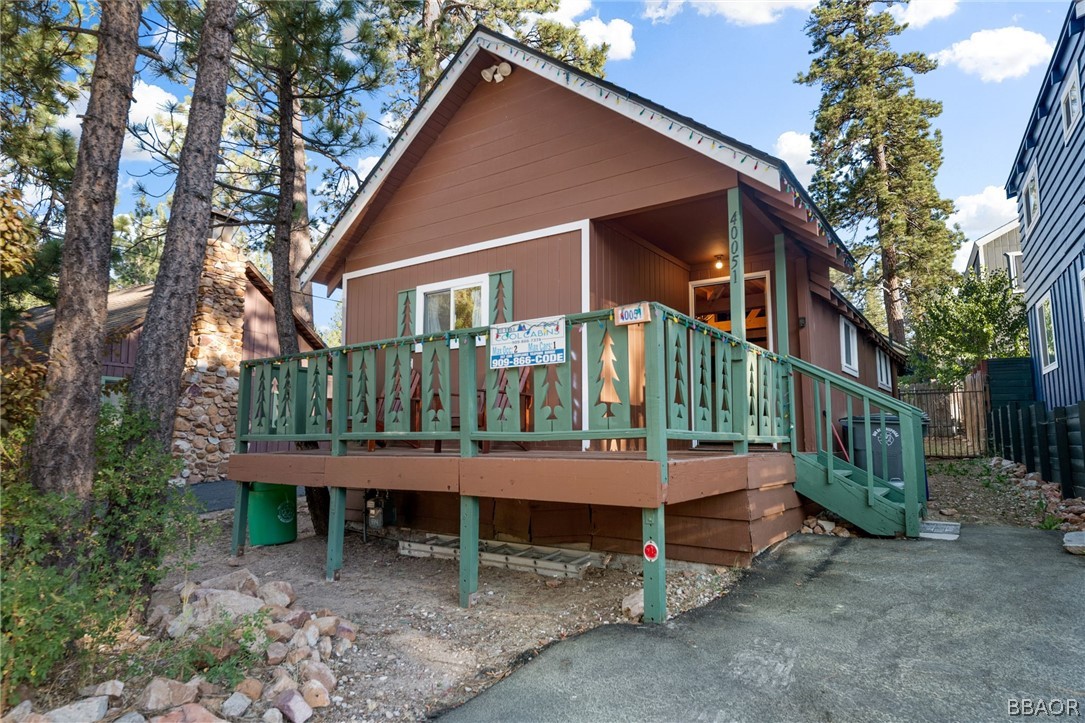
point(75, 570)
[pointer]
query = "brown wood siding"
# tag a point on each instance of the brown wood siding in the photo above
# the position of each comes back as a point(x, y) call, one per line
point(260, 339)
point(625, 270)
point(119, 358)
point(545, 282)
point(529, 154)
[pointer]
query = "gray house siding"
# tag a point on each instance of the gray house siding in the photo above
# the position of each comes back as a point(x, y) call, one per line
point(992, 255)
point(1054, 248)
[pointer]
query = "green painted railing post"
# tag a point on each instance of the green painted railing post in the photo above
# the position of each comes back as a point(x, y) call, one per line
point(829, 438)
point(244, 403)
point(339, 401)
point(655, 571)
point(241, 519)
point(740, 401)
point(655, 411)
point(911, 474)
point(469, 507)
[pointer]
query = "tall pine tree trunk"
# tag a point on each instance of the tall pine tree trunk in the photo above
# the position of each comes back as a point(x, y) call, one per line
point(164, 343)
point(888, 233)
point(292, 226)
point(429, 66)
point(62, 451)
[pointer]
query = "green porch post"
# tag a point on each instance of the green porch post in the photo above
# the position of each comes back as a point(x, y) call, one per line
point(241, 518)
point(336, 523)
point(740, 401)
point(652, 518)
point(468, 448)
point(783, 334)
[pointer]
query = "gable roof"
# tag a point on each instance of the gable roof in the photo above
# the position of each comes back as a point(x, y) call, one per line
point(768, 178)
point(1056, 71)
point(126, 311)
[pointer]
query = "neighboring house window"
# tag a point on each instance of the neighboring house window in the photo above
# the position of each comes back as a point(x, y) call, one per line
point(1045, 323)
point(1070, 104)
point(450, 305)
point(1031, 199)
point(849, 352)
point(1013, 268)
point(885, 371)
point(1081, 279)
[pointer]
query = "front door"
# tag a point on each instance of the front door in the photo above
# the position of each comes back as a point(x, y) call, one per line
point(710, 302)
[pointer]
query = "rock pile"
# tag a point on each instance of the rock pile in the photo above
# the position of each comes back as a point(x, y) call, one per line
point(1068, 515)
point(823, 525)
point(298, 646)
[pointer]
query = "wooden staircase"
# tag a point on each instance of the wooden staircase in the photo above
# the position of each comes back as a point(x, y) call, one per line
point(831, 476)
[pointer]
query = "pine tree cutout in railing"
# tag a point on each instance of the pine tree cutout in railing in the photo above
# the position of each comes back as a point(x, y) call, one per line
point(364, 390)
point(317, 395)
point(396, 402)
point(751, 393)
point(261, 417)
point(704, 384)
point(285, 396)
point(608, 394)
point(435, 406)
point(406, 323)
point(552, 393)
point(765, 392)
point(678, 402)
point(723, 350)
point(501, 402)
point(498, 312)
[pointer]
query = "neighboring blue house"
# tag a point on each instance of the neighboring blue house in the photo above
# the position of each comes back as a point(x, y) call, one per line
point(1048, 179)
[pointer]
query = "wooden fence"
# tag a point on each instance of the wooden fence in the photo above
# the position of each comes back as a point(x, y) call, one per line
point(1046, 442)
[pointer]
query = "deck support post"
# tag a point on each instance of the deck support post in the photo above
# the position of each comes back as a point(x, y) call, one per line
point(468, 550)
point(655, 571)
point(241, 519)
point(339, 401)
point(336, 524)
point(740, 400)
point(468, 448)
point(783, 337)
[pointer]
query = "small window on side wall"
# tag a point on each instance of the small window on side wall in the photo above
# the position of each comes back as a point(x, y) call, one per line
point(885, 371)
point(1013, 268)
point(849, 348)
point(1070, 104)
point(1030, 199)
point(1045, 328)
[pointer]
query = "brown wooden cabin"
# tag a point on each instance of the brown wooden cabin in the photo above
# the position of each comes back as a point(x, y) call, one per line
point(556, 193)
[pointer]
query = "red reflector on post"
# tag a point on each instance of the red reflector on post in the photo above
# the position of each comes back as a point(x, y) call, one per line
point(651, 551)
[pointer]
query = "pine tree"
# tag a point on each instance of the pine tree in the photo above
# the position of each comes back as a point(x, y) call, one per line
point(608, 393)
point(156, 381)
point(552, 395)
point(62, 457)
point(435, 405)
point(877, 156)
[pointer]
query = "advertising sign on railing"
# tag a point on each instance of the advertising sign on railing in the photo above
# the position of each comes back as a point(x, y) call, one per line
point(528, 343)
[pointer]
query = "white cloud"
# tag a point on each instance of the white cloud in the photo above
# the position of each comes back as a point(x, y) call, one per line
point(365, 165)
point(794, 149)
point(617, 33)
point(738, 12)
point(995, 55)
point(918, 13)
point(147, 101)
point(978, 214)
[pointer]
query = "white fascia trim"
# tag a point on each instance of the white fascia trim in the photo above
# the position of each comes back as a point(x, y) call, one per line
point(992, 235)
point(1051, 366)
point(578, 226)
point(583, 85)
point(1081, 290)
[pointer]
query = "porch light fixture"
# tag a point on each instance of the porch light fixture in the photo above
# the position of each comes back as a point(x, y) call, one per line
point(719, 261)
point(497, 73)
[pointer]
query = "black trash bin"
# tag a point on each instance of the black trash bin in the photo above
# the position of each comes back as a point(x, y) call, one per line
point(873, 438)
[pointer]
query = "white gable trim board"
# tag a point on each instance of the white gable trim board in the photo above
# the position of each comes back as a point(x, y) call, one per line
point(742, 160)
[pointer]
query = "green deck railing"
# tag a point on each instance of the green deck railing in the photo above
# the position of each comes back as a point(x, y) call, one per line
point(672, 378)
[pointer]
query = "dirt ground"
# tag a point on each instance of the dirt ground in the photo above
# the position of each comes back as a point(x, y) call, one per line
point(418, 652)
point(977, 494)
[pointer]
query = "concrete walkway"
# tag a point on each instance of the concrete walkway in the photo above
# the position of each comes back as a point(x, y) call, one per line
point(830, 629)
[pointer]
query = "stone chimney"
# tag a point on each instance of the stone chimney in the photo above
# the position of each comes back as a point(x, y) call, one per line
point(203, 432)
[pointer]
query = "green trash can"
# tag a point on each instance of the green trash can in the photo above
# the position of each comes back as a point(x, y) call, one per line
point(273, 514)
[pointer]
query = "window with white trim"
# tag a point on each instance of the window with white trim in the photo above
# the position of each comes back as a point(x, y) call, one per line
point(1045, 327)
point(1070, 103)
point(1013, 268)
point(1030, 199)
point(450, 305)
point(849, 347)
point(885, 371)
point(1081, 285)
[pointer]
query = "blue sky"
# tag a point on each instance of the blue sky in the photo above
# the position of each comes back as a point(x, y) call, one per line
point(732, 64)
